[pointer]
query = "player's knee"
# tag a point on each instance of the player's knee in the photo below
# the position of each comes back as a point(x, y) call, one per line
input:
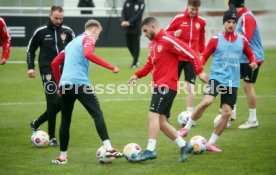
point(97, 114)
point(226, 110)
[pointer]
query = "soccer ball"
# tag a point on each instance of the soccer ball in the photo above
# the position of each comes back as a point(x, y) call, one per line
point(217, 119)
point(101, 155)
point(40, 139)
point(131, 151)
point(183, 118)
point(199, 144)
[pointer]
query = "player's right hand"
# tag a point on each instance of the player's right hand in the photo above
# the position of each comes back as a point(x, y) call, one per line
point(125, 24)
point(31, 73)
point(116, 70)
point(203, 77)
point(132, 80)
point(59, 92)
point(3, 61)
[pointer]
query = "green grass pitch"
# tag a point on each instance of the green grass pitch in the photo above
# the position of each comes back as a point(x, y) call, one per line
point(22, 99)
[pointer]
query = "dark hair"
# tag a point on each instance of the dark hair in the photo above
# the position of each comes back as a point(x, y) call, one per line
point(236, 3)
point(230, 15)
point(195, 3)
point(56, 8)
point(149, 20)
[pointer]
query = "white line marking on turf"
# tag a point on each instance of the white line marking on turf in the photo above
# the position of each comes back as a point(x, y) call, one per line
point(121, 99)
point(18, 62)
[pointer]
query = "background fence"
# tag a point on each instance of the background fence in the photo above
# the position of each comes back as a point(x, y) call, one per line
point(109, 12)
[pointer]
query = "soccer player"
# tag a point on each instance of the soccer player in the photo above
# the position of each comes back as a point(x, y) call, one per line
point(189, 27)
point(247, 26)
point(74, 84)
point(165, 51)
point(51, 38)
point(6, 41)
point(226, 47)
point(132, 14)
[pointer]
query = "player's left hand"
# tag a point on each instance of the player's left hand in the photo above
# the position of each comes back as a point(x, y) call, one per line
point(253, 65)
point(177, 33)
point(3, 61)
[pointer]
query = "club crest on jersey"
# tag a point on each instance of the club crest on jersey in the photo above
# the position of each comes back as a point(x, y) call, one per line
point(48, 77)
point(159, 48)
point(63, 37)
point(197, 25)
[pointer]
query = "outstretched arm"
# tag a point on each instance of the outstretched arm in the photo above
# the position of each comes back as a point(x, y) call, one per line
point(142, 72)
point(88, 44)
point(183, 51)
point(211, 47)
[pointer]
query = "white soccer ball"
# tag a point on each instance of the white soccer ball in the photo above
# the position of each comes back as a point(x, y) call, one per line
point(40, 139)
point(183, 118)
point(217, 119)
point(131, 151)
point(101, 155)
point(199, 144)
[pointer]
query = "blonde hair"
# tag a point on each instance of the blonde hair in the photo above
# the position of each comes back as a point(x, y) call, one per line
point(92, 23)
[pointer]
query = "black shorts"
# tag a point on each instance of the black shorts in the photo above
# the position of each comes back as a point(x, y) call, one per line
point(162, 100)
point(247, 74)
point(228, 95)
point(189, 72)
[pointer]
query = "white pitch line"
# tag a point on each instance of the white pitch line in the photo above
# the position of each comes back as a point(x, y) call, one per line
point(21, 103)
point(18, 62)
point(120, 100)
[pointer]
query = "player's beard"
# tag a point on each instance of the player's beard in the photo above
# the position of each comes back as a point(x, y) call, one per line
point(151, 35)
point(192, 15)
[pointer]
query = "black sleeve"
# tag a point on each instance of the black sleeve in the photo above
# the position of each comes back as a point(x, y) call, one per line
point(72, 35)
point(123, 18)
point(32, 47)
point(139, 14)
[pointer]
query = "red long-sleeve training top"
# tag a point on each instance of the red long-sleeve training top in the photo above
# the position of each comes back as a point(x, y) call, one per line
point(165, 52)
point(5, 38)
